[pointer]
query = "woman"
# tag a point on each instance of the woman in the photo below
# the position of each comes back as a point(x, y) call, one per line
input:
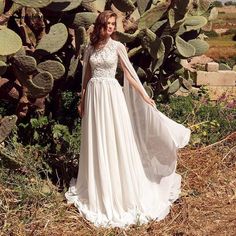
point(128, 148)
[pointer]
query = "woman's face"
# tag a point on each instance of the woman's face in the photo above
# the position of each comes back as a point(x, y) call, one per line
point(111, 24)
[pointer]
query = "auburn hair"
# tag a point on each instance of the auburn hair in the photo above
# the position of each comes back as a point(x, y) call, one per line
point(100, 26)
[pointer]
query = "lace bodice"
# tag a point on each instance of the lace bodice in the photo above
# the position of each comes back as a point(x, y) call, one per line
point(104, 61)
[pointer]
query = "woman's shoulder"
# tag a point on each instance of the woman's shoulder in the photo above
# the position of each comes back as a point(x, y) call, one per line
point(118, 44)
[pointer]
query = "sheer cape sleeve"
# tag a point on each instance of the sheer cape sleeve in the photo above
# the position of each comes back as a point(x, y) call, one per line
point(87, 53)
point(158, 137)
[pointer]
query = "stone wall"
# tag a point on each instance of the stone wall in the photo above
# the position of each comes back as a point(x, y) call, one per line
point(218, 82)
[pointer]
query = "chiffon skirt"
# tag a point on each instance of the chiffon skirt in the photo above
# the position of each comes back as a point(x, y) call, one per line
point(112, 189)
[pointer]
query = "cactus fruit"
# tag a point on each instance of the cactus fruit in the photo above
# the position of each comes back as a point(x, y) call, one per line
point(63, 5)
point(25, 63)
point(7, 123)
point(33, 4)
point(185, 49)
point(3, 67)
point(10, 42)
point(55, 68)
point(54, 40)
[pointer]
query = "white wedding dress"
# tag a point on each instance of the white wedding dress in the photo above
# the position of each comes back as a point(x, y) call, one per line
point(128, 149)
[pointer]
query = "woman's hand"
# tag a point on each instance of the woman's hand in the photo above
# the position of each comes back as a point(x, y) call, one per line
point(149, 100)
point(81, 108)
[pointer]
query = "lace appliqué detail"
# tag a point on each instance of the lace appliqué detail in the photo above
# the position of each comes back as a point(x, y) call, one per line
point(104, 61)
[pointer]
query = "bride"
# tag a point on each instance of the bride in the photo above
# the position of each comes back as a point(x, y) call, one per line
point(128, 148)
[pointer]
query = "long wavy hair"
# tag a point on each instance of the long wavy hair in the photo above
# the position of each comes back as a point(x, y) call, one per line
point(100, 27)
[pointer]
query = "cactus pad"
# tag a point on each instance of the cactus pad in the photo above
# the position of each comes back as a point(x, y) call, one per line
point(10, 42)
point(173, 87)
point(25, 63)
point(44, 80)
point(55, 68)
point(54, 40)
point(74, 62)
point(194, 22)
point(84, 19)
point(185, 49)
point(151, 16)
point(7, 123)
point(33, 4)
point(63, 5)
point(2, 6)
point(125, 37)
point(124, 5)
point(200, 46)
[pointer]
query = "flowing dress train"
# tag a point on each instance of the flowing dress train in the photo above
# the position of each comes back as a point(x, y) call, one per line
point(128, 149)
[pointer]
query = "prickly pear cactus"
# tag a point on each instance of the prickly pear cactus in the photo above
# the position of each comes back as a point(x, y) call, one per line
point(7, 123)
point(48, 47)
point(34, 4)
point(54, 40)
point(10, 41)
point(26, 63)
point(55, 68)
point(62, 5)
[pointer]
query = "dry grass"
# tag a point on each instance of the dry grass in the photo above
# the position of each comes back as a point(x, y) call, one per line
point(219, 52)
point(207, 205)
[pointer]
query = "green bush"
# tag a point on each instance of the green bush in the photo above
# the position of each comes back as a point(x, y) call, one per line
point(208, 120)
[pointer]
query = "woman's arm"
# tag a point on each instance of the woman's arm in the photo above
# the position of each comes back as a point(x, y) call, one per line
point(85, 79)
point(134, 83)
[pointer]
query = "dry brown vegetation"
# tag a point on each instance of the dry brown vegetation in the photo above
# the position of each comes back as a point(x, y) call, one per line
point(207, 205)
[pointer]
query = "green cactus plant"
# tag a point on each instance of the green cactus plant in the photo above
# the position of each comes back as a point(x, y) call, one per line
point(2, 6)
point(54, 40)
point(10, 41)
point(41, 80)
point(126, 37)
point(184, 49)
point(7, 123)
point(124, 5)
point(33, 4)
point(63, 5)
point(174, 87)
point(84, 19)
point(200, 46)
point(162, 31)
point(143, 5)
point(25, 63)
point(55, 68)
point(151, 16)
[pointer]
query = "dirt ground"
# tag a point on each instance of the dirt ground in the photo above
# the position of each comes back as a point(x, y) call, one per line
point(207, 205)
